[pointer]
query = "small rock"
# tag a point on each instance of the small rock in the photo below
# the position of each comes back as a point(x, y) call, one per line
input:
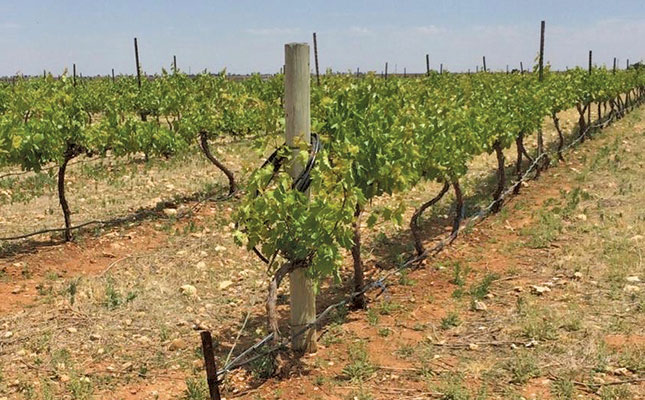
point(518, 289)
point(200, 265)
point(577, 275)
point(177, 344)
point(95, 336)
point(188, 290)
point(224, 284)
point(480, 306)
point(473, 346)
point(219, 248)
point(170, 212)
point(8, 334)
point(632, 289)
point(581, 217)
point(64, 378)
point(633, 279)
point(621, 371)
point(71, 329)
point(489, 296)
point(16, 290)
point(531, 343)
point(540, 290)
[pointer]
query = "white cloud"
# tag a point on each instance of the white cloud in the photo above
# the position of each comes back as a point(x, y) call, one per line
point(429, 30)
point(359, 30)
point(272, 31)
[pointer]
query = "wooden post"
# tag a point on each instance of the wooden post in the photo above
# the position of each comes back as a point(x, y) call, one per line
point(316, 59)
point(627, 64)
point(440, 69)
point(113, 80)
point(614, 70)
point(484, 59)
point(74, 74)
point(136, 58)
point(298, 130)
point(540, 137)
point(174, 63)
point(541, 60)
point(506, 69)
point(358, 72)
point(405, 72)
point(385, 70)
point(521, 68)
point(211, 367)
point(427, 64)
point(589, 105)
point(476, 68)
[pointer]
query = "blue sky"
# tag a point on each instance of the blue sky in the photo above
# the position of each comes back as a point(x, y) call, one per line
point(246, 36)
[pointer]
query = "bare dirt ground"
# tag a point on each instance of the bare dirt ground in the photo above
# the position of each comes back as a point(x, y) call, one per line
point(110, 316)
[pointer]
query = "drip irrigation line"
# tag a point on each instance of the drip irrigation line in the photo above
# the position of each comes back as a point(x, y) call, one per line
point(114, 221)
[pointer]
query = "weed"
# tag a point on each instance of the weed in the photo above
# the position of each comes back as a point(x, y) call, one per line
point(405, 279)
point(372, 317)
point(619, 392)
point(405, 351)
point(81, 389)
point(481, 289)
point(450, 320)
point(562, 389)
point(196, 390)
point(522, 367)
point(263, 367)
point(388, 307)
point(334, 334)
point(359, 367)
point(384, 332)
point(544, 231)
point(538, 323)
point(453, 388)
point(459, 274)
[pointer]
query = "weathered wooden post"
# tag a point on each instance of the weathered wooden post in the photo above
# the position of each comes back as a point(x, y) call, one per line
point(136, 58)
point(521, 68)
point(298, 130)
point(74, 74)
point(484, 59)
point(174, 64)
point(614, 69)
point(211, 367)
point(113, 80)
point(316, 59)
point(440, 69)
point(589, 106)
point(540, 136)
point(427, 64)
point(386, 70)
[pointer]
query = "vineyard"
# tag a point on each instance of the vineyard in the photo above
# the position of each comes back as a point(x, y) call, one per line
point(382, 153)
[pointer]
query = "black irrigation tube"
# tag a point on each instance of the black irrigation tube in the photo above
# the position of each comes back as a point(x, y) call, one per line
point(301, 183)
point(241, 359)
point(115, 221)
